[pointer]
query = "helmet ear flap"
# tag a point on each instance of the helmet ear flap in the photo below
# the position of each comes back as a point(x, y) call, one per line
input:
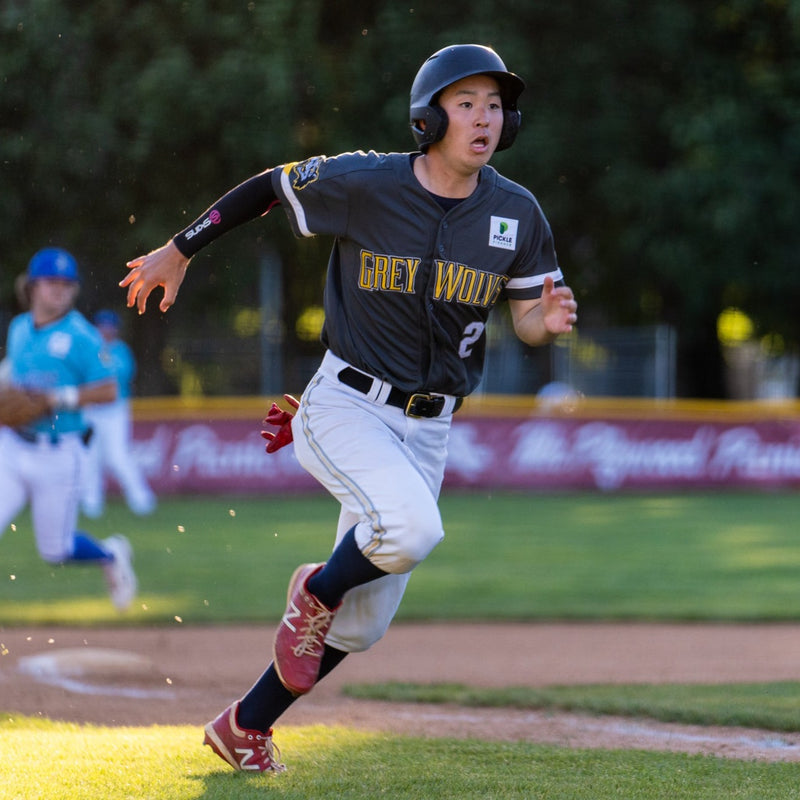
point(435, 119)
point(511, 122)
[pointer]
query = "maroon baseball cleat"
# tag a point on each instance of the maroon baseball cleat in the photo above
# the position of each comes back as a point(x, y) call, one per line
point(300, 638)
point(242, 749)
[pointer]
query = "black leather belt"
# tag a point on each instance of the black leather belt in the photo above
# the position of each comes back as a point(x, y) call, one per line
point(52, 437)
point(414, 404)
point(32, 437)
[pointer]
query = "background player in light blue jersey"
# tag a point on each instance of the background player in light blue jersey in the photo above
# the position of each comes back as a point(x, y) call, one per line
point(110, 447)
point(53, 349)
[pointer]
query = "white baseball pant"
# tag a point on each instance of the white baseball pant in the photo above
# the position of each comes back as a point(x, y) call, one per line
point(386, 470)
point(111, 449)
point(48, 476)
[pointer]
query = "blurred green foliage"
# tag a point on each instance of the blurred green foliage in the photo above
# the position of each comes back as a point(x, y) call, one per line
point(662, 139)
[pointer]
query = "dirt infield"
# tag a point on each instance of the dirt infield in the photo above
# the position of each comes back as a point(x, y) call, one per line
point(186, 675)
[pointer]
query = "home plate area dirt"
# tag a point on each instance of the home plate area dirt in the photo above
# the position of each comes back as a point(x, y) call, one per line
point(187, 675)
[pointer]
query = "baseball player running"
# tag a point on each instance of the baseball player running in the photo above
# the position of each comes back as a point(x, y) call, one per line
point(425, 244)
point(56, 364)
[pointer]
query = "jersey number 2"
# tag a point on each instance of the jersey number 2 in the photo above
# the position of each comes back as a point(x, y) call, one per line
point(472, 333)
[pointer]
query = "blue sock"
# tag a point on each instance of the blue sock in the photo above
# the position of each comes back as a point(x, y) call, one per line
point(85, 548)
point(347, 568)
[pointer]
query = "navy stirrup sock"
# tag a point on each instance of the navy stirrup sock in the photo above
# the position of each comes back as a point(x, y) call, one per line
point(347, 568)
point(269, 698)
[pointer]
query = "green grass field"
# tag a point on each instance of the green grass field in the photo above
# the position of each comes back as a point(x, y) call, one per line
point(165, 763)
point(520, 557)
point(85, 763)
point(517, 557)
point(768, 706)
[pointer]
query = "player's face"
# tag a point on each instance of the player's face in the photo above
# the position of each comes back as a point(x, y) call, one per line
point(51, 298)
point(475, 120)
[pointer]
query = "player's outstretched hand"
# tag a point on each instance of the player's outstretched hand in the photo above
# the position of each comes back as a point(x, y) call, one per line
point(163, 267)
point(283, 421)
point(559, 307)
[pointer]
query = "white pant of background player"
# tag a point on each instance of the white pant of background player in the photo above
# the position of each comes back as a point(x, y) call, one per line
point(111, 451)
point(45, 472)
point(386, 470)
point(47, 475)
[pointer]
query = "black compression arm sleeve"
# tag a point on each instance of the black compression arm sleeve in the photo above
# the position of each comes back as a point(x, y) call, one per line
point(248, 200)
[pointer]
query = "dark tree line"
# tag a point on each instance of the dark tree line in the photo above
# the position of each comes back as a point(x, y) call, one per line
point(662, 139)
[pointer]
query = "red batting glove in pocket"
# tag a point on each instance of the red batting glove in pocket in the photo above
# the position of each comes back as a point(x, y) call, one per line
point(282, 420)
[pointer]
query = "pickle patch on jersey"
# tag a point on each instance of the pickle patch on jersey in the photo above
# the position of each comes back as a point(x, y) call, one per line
point(503, 233)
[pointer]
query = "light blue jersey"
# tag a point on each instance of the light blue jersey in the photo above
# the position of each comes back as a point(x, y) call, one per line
point(123, 365)
point(67, 352)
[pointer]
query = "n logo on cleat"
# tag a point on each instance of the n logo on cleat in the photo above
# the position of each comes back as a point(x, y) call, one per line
point(293, 612)
point(247, 753)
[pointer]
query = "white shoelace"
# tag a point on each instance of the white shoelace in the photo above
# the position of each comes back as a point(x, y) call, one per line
point(313, 632)
point(273, 753)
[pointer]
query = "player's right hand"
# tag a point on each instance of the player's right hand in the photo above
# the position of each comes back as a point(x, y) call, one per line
point(165, 267)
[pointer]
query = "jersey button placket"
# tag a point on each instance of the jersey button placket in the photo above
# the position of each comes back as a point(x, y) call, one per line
point(442, 228)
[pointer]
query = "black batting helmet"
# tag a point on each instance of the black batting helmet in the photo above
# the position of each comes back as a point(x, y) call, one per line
point(451, 64)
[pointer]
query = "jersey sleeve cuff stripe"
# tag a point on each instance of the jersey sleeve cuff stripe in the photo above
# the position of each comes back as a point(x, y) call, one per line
point(291, 197)
point(532, 281)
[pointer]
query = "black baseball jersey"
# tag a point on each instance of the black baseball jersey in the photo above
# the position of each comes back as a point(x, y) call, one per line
point(410, 285)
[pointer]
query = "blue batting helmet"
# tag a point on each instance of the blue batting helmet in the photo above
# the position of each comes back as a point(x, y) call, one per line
point(53, 262)
point(105, 318)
